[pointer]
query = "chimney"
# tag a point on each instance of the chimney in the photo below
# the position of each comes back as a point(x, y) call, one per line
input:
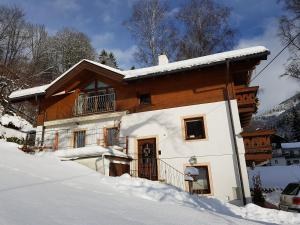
point(162, 60)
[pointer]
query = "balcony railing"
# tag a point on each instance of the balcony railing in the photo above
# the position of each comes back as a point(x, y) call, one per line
point(85, 105)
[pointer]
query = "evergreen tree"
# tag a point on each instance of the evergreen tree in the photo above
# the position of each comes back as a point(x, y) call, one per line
point(108, 58)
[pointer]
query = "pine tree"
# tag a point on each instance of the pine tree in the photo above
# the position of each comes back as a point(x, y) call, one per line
point(258, 197)
point(108, 58)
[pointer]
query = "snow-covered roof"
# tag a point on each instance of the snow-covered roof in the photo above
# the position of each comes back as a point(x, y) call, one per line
point(196, 62)
point(38, 90)
point(90, 151)
point(203, 61)
point(290, 145)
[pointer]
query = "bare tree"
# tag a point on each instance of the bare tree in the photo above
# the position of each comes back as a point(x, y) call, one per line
point(289, 31)
point(153, 32)
point(13, 35)
point(68, 47)
point(206, 29)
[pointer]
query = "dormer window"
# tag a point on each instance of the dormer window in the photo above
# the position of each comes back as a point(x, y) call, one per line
point(145, 99)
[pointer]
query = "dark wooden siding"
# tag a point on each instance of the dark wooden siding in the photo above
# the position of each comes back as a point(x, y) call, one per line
point(180, 89)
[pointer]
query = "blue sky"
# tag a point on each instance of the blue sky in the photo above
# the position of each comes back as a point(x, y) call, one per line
point(254, 20)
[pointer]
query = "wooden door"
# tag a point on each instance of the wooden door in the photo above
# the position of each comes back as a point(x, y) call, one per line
point(147, 161)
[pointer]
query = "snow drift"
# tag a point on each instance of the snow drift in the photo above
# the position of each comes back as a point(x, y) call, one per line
point(41, 189)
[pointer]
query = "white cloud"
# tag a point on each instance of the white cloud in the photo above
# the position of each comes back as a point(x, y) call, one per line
point(273, 88)
point(125, 57)
point(100, 41)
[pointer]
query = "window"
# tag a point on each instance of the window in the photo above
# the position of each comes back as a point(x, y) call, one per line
point(94, 85)
point(201, 184)
point(194, 128)
point(145, 99)
point(291, 189)
point(276, 161)
point(79, 139)
point(112, 136)
point(296, 161)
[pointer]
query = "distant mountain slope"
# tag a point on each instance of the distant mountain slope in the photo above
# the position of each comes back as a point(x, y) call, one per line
point(280, 117)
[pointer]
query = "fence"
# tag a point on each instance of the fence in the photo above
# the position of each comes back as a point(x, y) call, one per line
point(69, 138)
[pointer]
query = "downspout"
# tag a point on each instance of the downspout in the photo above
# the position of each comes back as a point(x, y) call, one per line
point(233, 132)
point(43, 127)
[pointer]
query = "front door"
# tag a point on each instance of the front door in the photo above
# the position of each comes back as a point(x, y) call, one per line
point(147, 162)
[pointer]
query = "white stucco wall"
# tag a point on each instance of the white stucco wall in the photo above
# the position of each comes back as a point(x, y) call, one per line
point(93, 129)
point(166, 126)
point(217, 150)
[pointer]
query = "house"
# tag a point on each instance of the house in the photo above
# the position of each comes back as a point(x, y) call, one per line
point(162, 119)
point(258, 146)
point(288, 154)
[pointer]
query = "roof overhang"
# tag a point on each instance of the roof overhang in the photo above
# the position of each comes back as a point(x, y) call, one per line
point(258, 52)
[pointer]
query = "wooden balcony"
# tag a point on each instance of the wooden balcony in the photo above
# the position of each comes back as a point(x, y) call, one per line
point(258, 146)
point(86, 105)
point(247, 102)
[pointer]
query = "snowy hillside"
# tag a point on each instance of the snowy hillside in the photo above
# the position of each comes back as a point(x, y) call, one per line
point(279, 117)
point(283, 106)
point(13, 126)
point(43, 190)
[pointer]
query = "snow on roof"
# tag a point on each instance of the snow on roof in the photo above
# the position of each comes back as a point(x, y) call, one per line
point(160, 69)
point(90, 61)
point(290, 145)
point(29, 92)
point(90, 151)
point(195, 62)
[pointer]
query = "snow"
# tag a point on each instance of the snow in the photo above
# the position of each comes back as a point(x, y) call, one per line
point(275, 176)
point(43, 190)
point(38, 90)
point(273, 197)
point(191, 171)
point(88, 152)
point(159, 69)
point(195, 62)
point(290, 145)
point(17, 121)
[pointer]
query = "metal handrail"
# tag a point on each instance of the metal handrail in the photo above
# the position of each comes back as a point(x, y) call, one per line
point(161, 170)
point(170, 175)
point(94, 104)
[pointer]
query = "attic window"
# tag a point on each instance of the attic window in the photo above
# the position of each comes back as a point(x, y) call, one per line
point(94, 85)
point(145, 99)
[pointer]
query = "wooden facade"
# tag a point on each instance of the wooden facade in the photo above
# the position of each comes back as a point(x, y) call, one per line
point(258, 146)
point(176, 89)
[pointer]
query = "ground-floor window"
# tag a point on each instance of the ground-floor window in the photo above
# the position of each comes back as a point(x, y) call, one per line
point(112, 136)
point(79, 138)
point(201, 184)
